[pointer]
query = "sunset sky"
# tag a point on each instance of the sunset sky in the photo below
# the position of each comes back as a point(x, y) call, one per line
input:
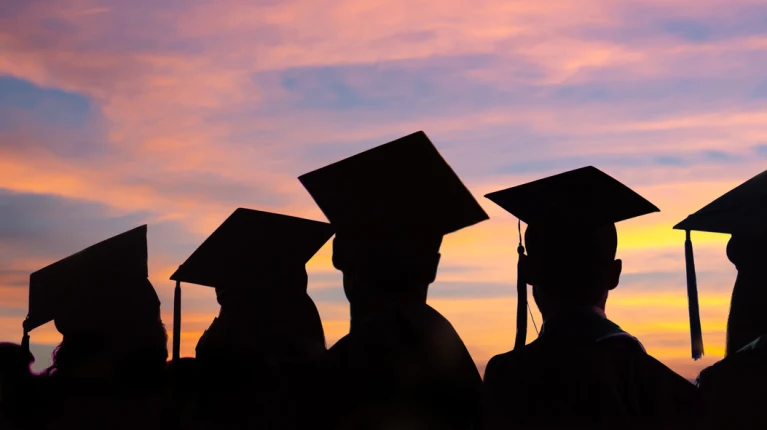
point(176, 112)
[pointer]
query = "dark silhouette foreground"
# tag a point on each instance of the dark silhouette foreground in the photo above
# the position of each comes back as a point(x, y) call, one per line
point(16, 386)
point(263, 362)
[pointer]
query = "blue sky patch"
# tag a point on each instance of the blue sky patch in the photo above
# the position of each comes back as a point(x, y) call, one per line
point(47, 105)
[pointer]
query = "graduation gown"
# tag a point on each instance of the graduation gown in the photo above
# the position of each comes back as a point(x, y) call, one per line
point(241, 393)
point(89, 403)
point(735, 389)
point(19, 405)
point(406, 368)
point(585, 372)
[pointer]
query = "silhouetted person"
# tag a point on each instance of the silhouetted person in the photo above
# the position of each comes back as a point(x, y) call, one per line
point(583, 371)
point(108, 371)
point(402, 365)
point(16, 387)
point(735, 389)
point(252, 361)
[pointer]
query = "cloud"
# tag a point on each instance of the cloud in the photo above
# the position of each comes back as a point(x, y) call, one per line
point(669, 160)
point(47, 225)
point(442, 82)
point(725, 23)
point(49, 106)
point(760, 150)
point(38, 122)
point(689, 30)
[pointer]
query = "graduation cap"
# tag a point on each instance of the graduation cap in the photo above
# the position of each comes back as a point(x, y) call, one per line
point(742, 210)
point(584, 199)
point(400, 189)
point(249, 245)
point(96, 288)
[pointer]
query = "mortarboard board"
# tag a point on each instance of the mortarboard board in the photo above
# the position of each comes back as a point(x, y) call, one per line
point(585, 198)
point(741, 210)
point(250, 244)
point(87, 289)
point(401, 185)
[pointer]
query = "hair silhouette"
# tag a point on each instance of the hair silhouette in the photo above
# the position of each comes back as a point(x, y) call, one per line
point(734, 387)
point(747, 320)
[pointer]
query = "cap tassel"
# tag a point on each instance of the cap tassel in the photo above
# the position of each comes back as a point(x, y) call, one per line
point(25, 341)
point(521, 339)
point(696, 335)
point(177, 322)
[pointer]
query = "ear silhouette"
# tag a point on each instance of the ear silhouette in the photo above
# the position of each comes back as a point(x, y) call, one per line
point(433, 270)
point(614, 274)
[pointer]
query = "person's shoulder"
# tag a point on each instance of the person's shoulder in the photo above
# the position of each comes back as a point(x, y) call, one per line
point(428, 325)
point(440, 335)
point(625, 351)
point(661, 388)
point(183, 373)
point(722, 369)
point(340, 352)
point(748, 364)
point(432, 317)
point(502, 361)
point(628, 350)
point(184, 364)
point(712, 375)
point(509, 363)
point(498, 365)
point(339, 347)
point(672, 380)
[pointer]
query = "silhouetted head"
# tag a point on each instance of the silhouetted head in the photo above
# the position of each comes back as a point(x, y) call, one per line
point(243, 290)
point(383, 267)
point(111, 339)
point(571, 238)
point(747, 319)
point(274, 321)
point(571, 268)
point(391, 205)
point(269, 319)
point(749, 254)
